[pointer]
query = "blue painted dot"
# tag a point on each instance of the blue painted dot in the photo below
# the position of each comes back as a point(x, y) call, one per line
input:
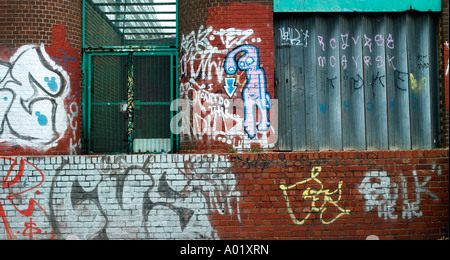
point(42, 119)
point(51, 83)
point(5, 98)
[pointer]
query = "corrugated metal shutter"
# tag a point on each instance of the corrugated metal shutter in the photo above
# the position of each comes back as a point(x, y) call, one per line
point(357, 81)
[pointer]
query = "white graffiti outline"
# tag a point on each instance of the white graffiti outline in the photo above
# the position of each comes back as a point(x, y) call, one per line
point(32, 93)
point(381, 193)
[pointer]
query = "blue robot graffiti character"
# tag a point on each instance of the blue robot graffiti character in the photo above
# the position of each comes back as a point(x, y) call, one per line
point(246, 58)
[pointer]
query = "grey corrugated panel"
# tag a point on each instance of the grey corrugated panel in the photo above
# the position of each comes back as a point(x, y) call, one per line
point(418, 55)
point(311, 99)
point(283, 92)
point(375, 83)
point(353, 107)
point(398, 86)
point(296, 85)
point(361, 95)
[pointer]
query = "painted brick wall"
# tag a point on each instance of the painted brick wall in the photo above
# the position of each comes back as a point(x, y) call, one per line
point(40, 77)
point(317, 195)
point(213, 36)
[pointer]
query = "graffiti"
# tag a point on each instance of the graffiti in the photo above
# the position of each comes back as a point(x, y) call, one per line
point(417, 85)
point(146, 195)
point(221, 120)
point(32, 93)
point(7, 49)
point(232, 37)
point(217, 106)
point(446, 80)
point(201, 54)
point(230, 86)
point(446, 50)
point(294, 37)
point(69, 61)
point(172, 203)
point(401, 77)
point(130, 103)
point(316, 196)
point(255, 91)
point(422, 62)
point(137, 197)
point(346, 41)
point(212, 116)
point(66, 60)
point(74, 111)
point(382, 193)
point(21, 193)
point(357, 82)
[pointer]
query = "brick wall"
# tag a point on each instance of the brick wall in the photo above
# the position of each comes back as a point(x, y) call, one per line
point(444, 62)
point(194, 13)
point(214, 35)
point(317, 195)
point(40, 77)
point(205, 30)
point(31, 21)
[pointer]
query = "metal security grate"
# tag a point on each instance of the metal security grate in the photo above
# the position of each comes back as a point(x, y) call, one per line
point(128, 107)
point(108, 122)
point(130, 61)
point(135, 22)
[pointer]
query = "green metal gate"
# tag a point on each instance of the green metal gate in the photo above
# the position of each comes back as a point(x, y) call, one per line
point(128, 106)
point(130, 75)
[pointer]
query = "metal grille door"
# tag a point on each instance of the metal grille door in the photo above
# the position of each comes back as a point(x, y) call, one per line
point(129, 102)
point(153, 76)
point(108, 123)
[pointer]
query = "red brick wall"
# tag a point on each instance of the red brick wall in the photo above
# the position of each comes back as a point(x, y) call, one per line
point(313, 195)
point(42, 39)
point(208, 33)
point(31, 21)
point(391, 194)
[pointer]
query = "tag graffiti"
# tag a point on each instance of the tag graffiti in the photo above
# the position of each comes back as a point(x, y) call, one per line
point(381, 193)
point(321, 199)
